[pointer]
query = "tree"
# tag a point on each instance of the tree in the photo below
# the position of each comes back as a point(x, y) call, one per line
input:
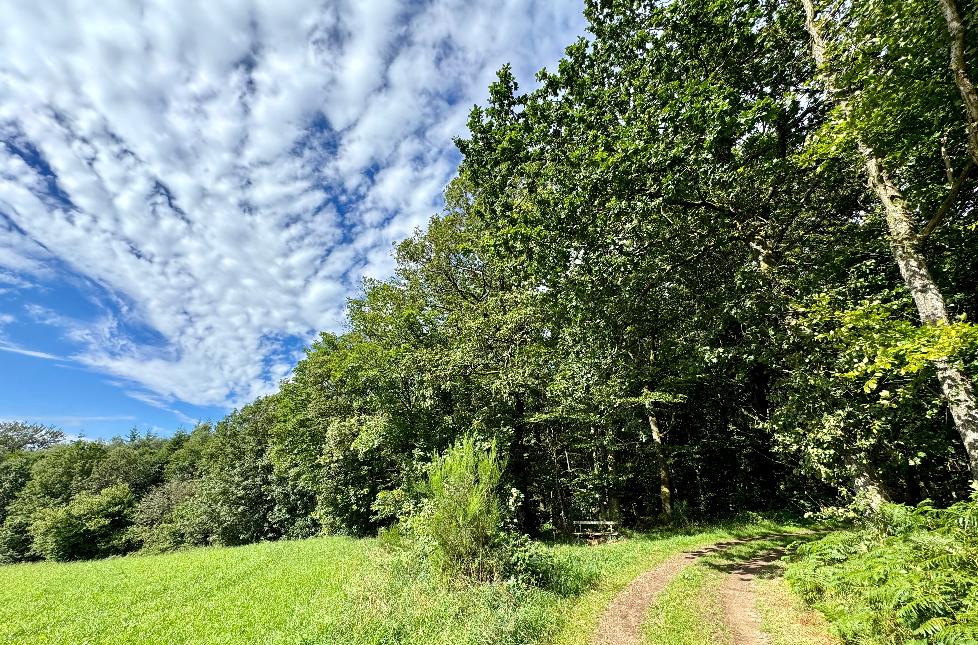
point(906, 238)
point(23, 436)
point(89, 526)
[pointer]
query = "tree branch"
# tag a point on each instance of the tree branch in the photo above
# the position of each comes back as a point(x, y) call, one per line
point(947, 204)
point(955, 27)
point(948, 166)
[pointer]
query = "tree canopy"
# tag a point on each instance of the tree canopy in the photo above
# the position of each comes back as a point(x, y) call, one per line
point(723, 257)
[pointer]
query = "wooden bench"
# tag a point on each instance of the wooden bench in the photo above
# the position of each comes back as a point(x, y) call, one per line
point(595, 529)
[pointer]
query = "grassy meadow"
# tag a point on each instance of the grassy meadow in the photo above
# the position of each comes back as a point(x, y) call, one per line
point(325, 590)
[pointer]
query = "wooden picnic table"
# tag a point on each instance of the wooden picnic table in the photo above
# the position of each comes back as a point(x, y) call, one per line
point(593, 529)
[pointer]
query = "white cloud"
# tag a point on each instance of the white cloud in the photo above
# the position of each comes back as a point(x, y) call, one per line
point(23, 351)
point(69, 421)
point(157, 402)
point(194, 154)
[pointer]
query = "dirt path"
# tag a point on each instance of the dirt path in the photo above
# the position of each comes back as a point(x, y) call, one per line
point(740, 603)
point(621, 623)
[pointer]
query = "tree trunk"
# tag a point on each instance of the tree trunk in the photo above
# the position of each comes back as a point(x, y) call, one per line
point(865, 485)
point(662, 463)
point(955, 384)
point(955, 27)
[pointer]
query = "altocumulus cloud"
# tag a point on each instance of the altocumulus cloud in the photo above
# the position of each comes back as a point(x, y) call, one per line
point(227, 171)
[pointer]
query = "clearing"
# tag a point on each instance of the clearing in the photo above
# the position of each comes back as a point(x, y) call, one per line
point(348, 591)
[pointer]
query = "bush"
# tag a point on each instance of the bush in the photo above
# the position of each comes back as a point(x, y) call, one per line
point(89, 526)
point(906, 575)
point(458, 522)
point(171, 516)
point(526, 561)
point(463, 519)
point(15, 539)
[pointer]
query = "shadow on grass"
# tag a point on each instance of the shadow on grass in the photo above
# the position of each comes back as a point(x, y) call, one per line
point(753, 534)
point(759, 557)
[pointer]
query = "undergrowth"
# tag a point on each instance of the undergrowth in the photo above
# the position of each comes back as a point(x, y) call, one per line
point(907, 575)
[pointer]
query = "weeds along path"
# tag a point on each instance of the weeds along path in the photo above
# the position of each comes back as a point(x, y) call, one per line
point(621, 623)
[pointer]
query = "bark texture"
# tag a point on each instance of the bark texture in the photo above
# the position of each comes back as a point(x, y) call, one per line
point(865, 484)
point(955, 383)
point(955, 27)
point(904, 242)
point(662, 463)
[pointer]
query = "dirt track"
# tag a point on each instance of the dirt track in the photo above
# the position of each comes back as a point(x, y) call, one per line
point(739, 602)
point(621, 623)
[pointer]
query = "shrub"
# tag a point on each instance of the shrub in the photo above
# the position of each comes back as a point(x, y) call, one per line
point(464, 515)
point(526, 561)
point(457, 522)
point(89, 526)
point(15, 539)
point(171, 516)
point(905, 575)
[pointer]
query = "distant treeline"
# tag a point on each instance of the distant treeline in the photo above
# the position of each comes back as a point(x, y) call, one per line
point(723, 258)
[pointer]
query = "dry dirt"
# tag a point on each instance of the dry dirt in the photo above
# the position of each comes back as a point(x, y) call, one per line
point(740, 603)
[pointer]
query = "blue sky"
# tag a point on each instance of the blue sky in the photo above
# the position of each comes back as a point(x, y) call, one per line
point(190, 191)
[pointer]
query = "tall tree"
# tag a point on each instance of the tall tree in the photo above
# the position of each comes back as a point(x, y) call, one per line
point(906, 240)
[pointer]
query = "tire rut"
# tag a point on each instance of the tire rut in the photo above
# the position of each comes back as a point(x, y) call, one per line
point(621, 623)
point(740, 601)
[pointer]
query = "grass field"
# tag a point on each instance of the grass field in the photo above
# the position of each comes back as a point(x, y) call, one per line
point(326, 590)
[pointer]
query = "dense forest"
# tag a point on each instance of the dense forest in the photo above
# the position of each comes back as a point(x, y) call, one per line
point(722, 258)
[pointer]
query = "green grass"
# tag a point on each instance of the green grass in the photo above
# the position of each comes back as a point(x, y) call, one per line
point(273, 590)
point(328, 590)
point(325, 590)
point(689, 612)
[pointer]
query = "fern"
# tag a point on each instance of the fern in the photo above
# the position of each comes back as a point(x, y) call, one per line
point(909, 575)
